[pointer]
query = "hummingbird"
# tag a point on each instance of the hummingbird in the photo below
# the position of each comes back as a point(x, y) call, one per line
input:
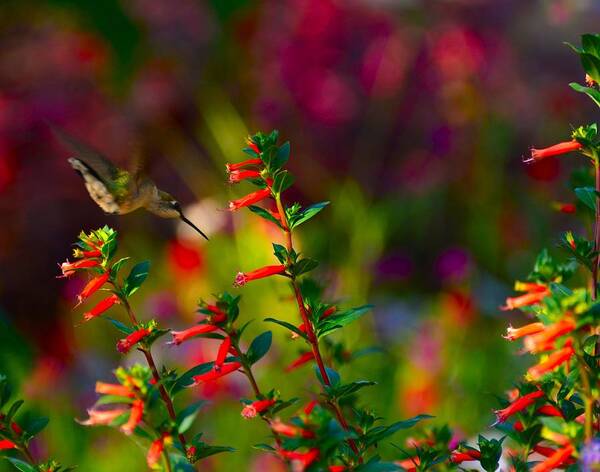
point(118, 191)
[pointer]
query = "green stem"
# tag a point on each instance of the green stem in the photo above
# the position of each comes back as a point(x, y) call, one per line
point(155, 373)
point(310, 333)
point(167, 460)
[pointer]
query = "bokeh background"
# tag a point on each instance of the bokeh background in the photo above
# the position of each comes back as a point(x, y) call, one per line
point(410, 116)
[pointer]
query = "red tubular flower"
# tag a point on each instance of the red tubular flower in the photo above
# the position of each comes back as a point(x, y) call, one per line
point(249, 199)
point(242, 278)
point(215, 374)
point(549, 410)
point(310, 407)
point(518, 426)
point(555, 460)
point(516, 333)
point(337, 468)
point(69, 268)
point(303, 359)
point(101, 307)
point(156, 449)
point(237, 176)
point(554, 360)
point(93, 286)
point(458, 457)
point(253, 146)
point(532, 298)
point(7, 444)
point(241, 165)
point(290, 430)
point(217, 315)
point(534, 343)
point(410, 464)
point(300, 460)
point(568, 208)
point(124, 345)
point(135, 417)
point(102, 417)
point(114, 389)
point(16, 428)
point(181, 336)
point(256, 408)
point(222, 353)
point(556, 150)
point(518, 405)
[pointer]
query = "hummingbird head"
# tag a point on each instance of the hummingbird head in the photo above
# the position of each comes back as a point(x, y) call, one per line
point(167, 207)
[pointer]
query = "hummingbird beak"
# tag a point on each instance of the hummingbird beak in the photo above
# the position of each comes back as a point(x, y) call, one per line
point(185, 220)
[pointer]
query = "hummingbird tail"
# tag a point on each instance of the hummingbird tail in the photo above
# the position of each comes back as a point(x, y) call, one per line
point(185, 220)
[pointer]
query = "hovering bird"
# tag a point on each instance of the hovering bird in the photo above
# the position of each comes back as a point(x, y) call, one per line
point(118, 191)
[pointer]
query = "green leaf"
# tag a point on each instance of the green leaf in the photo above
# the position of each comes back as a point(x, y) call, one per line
point(36, 425)
point(109, 247)
point(590, 44)
point(287, 325)
point(280, 253)
point(136, 278)
point(304, 265)
point(264, 214)
point(348, 389)
point(5, 390)
point(306, 214)
point(491, 450)
point(185, 380)
point(259, 347)
point(21, 465)
point(117, 266)
point(334, 377)
point(590, 92)
point(120, 326)
point(282, 181)
point(328, 325)
point(112, 399)
point(13, 410)
point(375, 435)
point(588, 196)
point(591, 64)
point(281, 156)
point(186, 417)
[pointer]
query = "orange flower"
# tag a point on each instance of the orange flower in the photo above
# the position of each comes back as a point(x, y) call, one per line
point(102, 417)
point(7, 444)
point(256, 408)
point(535, 343)
point(555, 460)
point(518, 405)
point(300, 460)
point(556, 150)
point(532, 298)
point(549, 410)
point(156, 449)
point(217, 315)
point(124, 345)
point(101, 307)
point(237, 176)
point(135, 417)
point(516, 333)
point(222, 353)
point(243, 164)
point(215, 374)
point(242, 278)
point(93, 286)
point(554, 360)
point(181, 336)
point(458, 457)
point(290, 430)
point(249, 199)
point(69, 268)
point(114, 389)
point(300, 361)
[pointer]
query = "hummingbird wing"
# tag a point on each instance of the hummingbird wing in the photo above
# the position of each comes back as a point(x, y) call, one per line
point(94, 160)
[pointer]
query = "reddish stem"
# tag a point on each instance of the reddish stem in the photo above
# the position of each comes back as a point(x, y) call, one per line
point(310, 333)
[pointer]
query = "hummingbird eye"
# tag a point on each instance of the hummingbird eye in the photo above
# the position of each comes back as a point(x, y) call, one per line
point(175, 205)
